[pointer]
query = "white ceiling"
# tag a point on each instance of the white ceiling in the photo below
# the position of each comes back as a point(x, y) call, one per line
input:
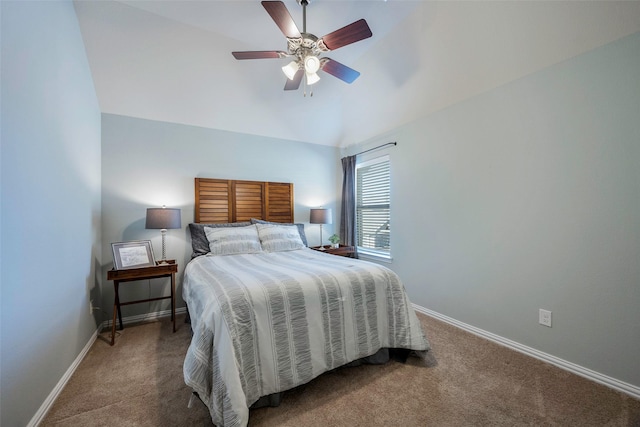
point(171, 60)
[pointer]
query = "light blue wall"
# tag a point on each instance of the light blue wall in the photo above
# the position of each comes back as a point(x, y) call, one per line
point(50, 202)
point(528, 197)
point(147, 164)
point(521, 198)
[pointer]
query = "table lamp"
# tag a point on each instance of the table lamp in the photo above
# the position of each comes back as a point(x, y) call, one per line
point(163, 218)
point(320, 216)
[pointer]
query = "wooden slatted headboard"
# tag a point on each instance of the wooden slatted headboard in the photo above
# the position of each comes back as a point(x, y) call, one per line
point(223, 200)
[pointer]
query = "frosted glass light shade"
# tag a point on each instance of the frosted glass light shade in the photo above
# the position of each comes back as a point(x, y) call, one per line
point(290, 69)
point(311, 64)
point(312, 78)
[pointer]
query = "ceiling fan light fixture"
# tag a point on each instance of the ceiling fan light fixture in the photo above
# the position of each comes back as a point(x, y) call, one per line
point(306, 49)
point(290, 69)
point(312, 78)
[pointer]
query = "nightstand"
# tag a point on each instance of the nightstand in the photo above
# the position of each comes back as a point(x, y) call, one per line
point(342, 250)
point(129, 275)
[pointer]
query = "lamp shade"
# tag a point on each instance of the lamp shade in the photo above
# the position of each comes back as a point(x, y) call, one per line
point(311, 64)
point(312, 78)
point(321, 216)
point(163, 218)
point(290, 69)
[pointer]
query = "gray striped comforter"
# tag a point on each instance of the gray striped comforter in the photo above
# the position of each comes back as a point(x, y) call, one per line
point(267, 322)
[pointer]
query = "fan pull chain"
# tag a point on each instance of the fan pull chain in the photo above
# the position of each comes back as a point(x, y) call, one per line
point(304, 89)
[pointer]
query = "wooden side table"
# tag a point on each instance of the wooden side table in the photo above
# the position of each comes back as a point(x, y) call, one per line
point(342, 250)
point(160, 270)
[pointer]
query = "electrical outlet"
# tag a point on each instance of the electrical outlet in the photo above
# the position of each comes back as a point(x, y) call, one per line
point(545, 317)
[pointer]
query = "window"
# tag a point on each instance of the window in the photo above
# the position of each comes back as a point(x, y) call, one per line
point(373, 209)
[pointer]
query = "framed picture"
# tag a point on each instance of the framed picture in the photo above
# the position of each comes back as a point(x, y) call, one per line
point(134, 254)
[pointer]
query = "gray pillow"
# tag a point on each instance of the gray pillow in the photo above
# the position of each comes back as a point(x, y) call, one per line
point(235, 240)
point(199, 241)
point(279, 237)
point(300, 227)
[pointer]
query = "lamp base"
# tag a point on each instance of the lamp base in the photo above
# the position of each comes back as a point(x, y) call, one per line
point(164, 255)
point(321, 245)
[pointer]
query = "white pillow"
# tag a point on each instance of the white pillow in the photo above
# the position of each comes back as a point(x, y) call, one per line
point(276, 238)
point(233, 240)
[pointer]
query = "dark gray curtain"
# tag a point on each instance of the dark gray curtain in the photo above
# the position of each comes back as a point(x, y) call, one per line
point(348, 210)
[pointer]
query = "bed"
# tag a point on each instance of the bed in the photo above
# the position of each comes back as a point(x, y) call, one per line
point(269, 314)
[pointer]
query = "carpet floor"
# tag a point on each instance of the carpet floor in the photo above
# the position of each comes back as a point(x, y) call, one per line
point(473, 382)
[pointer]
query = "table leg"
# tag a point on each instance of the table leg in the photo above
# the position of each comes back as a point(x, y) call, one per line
point(117, 287)
point(173, 300)
point(113, 322)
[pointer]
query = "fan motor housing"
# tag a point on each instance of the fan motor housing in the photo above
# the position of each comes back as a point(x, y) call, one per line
point(304, 46)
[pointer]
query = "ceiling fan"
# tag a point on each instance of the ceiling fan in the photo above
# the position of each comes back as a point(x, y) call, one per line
point(306, 49)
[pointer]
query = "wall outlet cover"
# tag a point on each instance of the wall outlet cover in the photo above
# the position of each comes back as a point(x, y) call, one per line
point(544, 317)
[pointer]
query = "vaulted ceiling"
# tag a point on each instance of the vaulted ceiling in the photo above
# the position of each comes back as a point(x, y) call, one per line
point(171, 60)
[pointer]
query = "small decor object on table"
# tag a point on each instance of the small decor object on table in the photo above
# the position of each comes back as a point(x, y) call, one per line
point(133, 254)
point(335, 241)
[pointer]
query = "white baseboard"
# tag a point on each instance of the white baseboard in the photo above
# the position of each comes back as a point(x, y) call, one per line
point(48, 403)
point(630, 389)
point(141, 318)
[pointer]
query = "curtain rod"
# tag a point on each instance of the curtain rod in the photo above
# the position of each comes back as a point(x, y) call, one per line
point(375, 148)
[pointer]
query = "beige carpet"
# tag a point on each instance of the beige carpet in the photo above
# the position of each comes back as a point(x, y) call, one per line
point(475, 382)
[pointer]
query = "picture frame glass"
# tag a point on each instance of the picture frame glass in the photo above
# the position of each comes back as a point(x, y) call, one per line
point(133, 254)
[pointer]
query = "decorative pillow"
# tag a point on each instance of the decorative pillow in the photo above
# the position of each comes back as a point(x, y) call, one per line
point(233, 240)
point(303, 236)
point(278, 237)
point(199, 242)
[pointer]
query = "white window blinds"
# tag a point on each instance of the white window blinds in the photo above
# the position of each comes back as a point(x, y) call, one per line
point(373, 198)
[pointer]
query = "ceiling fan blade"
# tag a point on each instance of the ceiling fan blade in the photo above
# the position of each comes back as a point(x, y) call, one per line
point(339, 70)
point(352, 33)
point(282, 18)
point(295, 83)
point(259, 54)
